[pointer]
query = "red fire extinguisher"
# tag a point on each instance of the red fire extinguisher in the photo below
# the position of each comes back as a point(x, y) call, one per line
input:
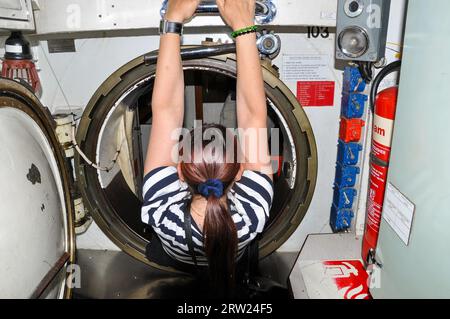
point(383, 125)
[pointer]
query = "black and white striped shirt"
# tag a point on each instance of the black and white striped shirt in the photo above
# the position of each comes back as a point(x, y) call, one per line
point(166, 197)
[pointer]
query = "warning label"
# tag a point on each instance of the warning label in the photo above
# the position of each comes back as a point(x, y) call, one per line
point(315, 93)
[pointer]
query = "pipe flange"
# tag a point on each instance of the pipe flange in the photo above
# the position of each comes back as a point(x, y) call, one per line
point(269, 44)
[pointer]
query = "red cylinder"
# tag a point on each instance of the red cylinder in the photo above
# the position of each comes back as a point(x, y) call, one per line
point(383, 125)
point(24, 70)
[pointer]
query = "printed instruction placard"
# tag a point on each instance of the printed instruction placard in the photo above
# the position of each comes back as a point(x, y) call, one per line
point(313, 76)
point(306, 67)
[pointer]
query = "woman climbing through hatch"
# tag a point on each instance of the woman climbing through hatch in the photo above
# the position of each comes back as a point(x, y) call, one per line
point(208, 196)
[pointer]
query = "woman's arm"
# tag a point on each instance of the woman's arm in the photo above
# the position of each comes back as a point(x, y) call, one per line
point(168, 91)
point(252, 105)
point(251, 97)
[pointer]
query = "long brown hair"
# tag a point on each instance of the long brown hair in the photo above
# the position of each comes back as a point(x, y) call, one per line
point(219, 230)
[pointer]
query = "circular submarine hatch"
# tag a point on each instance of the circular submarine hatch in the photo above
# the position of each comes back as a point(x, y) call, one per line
point(115, 128)
point(37, 229)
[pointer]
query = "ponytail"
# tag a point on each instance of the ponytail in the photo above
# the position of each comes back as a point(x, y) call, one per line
point(220, 241)
point(211, 178)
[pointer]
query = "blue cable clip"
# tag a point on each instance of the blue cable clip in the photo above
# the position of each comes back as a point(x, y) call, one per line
point(346, 176)
point(341, 219)
point(344, 197)
point(353, 81)
point(348, 153)
point(353, 105)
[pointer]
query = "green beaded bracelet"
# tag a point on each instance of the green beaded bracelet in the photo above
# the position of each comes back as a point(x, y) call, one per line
point(243, 31)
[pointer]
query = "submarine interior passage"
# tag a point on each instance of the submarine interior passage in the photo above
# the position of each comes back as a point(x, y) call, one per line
point(344, 82)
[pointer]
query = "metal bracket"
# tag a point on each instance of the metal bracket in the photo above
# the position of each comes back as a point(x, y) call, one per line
point(82, 219)
point(265, 10)
point(372, 259)
point(64, 134)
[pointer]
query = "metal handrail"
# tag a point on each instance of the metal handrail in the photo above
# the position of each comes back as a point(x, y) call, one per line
point(265, 10)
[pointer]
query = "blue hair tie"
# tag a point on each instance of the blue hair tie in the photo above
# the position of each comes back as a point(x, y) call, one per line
point(211, 187)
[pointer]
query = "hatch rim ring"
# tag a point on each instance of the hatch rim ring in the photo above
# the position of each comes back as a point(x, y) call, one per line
point(221, 63)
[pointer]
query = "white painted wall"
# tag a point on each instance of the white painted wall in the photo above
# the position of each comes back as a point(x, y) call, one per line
point(325, 123)
point(88, 15)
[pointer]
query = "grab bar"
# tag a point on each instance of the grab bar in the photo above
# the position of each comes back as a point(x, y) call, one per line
point(198, 52)
point(265, 10)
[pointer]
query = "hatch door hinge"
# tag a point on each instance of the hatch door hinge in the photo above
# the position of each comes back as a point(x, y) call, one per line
point(82, 218)
point(64, 134)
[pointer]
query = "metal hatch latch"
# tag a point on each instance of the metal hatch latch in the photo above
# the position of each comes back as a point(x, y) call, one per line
point(64, 132)
point(82, 219)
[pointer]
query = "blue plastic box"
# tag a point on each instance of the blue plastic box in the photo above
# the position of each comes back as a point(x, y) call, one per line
point(341, 219)
point(348, 153)
point(344, 197)
point(353, 105)
point(346, 176)
point(353, 81)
